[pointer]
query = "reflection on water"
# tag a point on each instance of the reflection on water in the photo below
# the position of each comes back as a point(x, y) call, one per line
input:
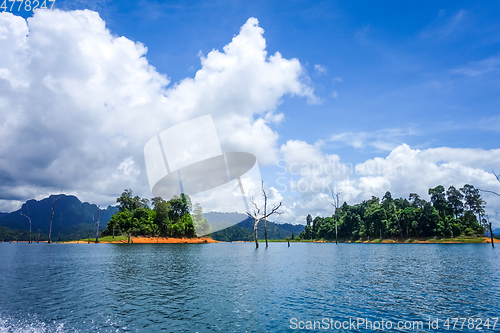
point(235, 288)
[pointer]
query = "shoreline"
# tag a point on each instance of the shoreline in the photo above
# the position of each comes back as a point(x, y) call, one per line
point(455, 240)
point(206, 240)
point(148, 240)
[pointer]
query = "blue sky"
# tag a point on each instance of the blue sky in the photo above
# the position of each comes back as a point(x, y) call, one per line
point(392, 65)
point(389, 74)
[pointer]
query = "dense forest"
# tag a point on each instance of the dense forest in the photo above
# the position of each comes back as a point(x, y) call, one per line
point(171, 218)
point(451, 212)
point(8, 235)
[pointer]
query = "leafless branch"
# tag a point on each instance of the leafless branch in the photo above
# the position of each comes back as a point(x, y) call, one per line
point(273, 211)
point(489, 192)
point(257, 211)
point(498, 177)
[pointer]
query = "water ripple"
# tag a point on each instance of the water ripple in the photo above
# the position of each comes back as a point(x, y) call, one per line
point(234, 288)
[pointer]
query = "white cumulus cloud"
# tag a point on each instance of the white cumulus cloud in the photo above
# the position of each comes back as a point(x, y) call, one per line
point(78, 104)
point(310, 175)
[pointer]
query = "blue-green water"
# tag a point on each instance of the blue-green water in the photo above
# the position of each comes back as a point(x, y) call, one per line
point(236, 288)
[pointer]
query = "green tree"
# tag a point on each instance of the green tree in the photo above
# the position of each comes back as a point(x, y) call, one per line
point(199, 221)
point(454, 198)
point(168, 218)
point(307, 233)
point(415, 200)
point(438, 200)
point(473, 200)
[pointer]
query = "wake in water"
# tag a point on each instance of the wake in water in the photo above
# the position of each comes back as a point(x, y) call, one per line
point(9, 325)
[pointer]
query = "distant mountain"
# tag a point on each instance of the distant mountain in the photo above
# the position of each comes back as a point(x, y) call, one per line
point(72, 218)
point(496, 232)
point(239, 227)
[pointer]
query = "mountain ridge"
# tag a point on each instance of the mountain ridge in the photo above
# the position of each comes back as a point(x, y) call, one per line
point(72, 217)
point(239, 227)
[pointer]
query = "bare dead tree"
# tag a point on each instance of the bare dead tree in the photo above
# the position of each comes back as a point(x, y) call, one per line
point(29, 241)
point(97, 228)
point(335, 204)
point(257, 218)
point(52, 216)
point(265, 209)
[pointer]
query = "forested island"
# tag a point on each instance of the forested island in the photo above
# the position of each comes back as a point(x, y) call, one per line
point(449, 213)
point(172, 218)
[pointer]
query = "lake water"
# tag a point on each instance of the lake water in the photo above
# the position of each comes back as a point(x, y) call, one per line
point(235, 288)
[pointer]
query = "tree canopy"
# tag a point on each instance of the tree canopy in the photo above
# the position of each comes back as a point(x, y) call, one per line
point(170, 218)
point(451, 212)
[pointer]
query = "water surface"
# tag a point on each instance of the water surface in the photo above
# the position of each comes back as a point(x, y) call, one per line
point(235, 288)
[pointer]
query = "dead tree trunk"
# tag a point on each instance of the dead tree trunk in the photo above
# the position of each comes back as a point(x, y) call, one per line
point(335, 204)
point(265, 209)
point(97, 228)
point(29, 241)
point(52, 216)
point(491, 235)
point(255, 232)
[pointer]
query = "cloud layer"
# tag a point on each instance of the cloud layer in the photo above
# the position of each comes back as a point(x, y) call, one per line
point(78, 104)
point(311, 175)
